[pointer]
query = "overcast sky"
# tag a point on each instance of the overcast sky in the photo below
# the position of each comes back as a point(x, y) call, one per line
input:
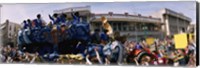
point(19, 12)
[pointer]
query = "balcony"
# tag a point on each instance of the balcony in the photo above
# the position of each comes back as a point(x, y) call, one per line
point(118, 17)
point(141, 32)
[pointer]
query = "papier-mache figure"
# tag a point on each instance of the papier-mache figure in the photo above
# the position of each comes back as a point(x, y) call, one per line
point(107, 26)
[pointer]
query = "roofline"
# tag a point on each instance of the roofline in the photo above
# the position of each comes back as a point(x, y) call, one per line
point(179, 14)
point(87, 6)
point(101, 14)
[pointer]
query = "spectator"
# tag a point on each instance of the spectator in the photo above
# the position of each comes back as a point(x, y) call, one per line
point(63, 19)
point(76, 18)
point(138, 46)
point(55, 18)
point(29, 22)
point(191, 49)
point(25, 24)
point(104, 37)
point(96, 36)
point(39, 22)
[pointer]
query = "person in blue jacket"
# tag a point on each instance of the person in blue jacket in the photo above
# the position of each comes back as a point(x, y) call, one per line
point(55, 19)
point(25, 24)
point(96, 36)
point(76, 18)
point(29, 23)
point(63, 19)
point(99, 48)
point(138, 46)
point(39, 22)
point(104, 37)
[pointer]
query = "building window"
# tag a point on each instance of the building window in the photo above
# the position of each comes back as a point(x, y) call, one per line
point(15, 29)
point(130, 28)
point(124, 25)
point(10, 34)
point(124, 28)
point(139, 26)
point(144, 27)
point(98, 24)
point(114, 28)
point(119, 26)
point(10, 28)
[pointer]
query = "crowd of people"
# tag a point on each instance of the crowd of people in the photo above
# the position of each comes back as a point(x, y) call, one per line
point(103, 46)
point(166, 53)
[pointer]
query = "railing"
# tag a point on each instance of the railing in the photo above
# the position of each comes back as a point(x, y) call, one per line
point(141, 32)
point(132, 18)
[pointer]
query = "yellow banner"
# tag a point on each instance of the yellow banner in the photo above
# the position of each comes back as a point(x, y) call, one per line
point(150, 40)
point(181, 41)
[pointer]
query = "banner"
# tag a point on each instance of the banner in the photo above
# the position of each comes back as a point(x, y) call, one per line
point(150, 40)
point(181, 41)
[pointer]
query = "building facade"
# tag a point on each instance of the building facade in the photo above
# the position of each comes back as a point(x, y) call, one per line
point(133, 26)
point(9, 31)
point(174, 22)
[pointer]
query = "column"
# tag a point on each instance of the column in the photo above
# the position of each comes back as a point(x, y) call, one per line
point(136, 30)
point(167, 24)
point(177, 24)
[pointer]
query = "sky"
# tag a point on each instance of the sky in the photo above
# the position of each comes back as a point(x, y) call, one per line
point(19, 12)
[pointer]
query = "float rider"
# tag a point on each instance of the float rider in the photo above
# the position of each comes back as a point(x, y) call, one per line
point(39, 22)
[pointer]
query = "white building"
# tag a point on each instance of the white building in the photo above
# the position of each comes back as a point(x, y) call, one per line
point(159, 24)
point(9, 32)
point(135, 26)
point(174, 22)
